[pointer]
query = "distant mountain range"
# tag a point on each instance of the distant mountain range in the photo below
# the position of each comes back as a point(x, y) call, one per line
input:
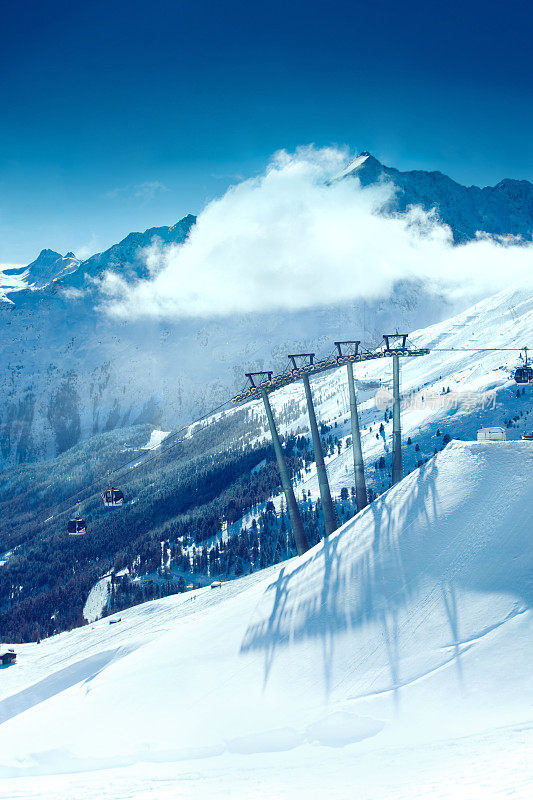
point(69, 371)
point(126, 256)
point(48, 267)
point(501, 210)
point(127, 252)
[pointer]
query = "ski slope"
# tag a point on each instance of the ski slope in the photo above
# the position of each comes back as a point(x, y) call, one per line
point(482, 390)
point(393, 660)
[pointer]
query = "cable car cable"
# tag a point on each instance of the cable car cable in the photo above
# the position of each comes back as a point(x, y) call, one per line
point(167, 447)
point(127, 465)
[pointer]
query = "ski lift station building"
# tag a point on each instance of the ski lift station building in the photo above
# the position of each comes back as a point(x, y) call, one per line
point(491, 435)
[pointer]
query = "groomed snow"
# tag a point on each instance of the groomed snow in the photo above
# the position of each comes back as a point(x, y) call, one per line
point(482, 389)
point(156, 437)
point(97, 599)
point(393, 660)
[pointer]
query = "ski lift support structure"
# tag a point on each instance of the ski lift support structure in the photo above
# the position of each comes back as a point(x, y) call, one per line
point(303, 371)
point(292, 506)
point(358, 464)
point(328, 509)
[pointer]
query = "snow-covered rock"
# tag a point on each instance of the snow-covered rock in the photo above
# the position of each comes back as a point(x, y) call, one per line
point(97, 600)
point(48, 267)
point(502, 210)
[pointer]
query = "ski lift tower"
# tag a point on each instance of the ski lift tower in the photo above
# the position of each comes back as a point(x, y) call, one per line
point(292, 506)
point(359, 469)
point(395, 350)
point(330, 520)
point(395, 346)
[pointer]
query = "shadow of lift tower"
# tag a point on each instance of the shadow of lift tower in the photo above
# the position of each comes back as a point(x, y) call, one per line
point(303, 370)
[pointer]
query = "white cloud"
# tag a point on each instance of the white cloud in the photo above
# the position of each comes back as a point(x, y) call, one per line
point(142, 191)
point(72, 293)
point(294, 237)
point(87, 248)
point(149, 189)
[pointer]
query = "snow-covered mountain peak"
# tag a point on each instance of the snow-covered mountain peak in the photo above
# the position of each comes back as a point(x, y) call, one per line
point(503, 209)
point(126, 255)
point(356, 164)
point(47, 256)
point(48, 267)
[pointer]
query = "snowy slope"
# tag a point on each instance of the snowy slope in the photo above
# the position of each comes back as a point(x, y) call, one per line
point(47, 268)
point(482, 390)
point(10, 281)
point(68, 371)
point(397, 654)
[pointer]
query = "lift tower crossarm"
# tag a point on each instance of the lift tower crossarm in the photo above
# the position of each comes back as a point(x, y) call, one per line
point(271, 384)
point(294, 356)
point(354, 342)
point(388, 336)
point(252, 375)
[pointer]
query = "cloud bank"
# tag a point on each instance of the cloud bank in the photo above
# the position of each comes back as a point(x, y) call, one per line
point(295, 237)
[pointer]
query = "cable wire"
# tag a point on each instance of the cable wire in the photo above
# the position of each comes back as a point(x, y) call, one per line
point(86, 490)
point(161, 449)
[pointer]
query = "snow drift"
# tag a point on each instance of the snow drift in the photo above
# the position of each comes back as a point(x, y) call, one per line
point(411, 625)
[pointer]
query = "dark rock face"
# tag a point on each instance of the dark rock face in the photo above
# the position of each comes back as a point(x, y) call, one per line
point(63, 414)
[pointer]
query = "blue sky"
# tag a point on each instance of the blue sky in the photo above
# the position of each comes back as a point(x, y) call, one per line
point(116, 116)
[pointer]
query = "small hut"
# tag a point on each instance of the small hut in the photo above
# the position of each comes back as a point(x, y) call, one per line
point(9, 657)
point(491, 435)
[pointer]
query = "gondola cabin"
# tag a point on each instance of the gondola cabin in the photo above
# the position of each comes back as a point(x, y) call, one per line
point(113, 497)
point(524, 375)
point(76, 527)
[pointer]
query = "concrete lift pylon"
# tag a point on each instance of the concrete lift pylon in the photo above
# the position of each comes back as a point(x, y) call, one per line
point(397, 467)
point(330, 518)
point(359, 467)
point(292, 506)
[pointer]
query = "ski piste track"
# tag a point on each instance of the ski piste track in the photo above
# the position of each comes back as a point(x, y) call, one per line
point(392, 660)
